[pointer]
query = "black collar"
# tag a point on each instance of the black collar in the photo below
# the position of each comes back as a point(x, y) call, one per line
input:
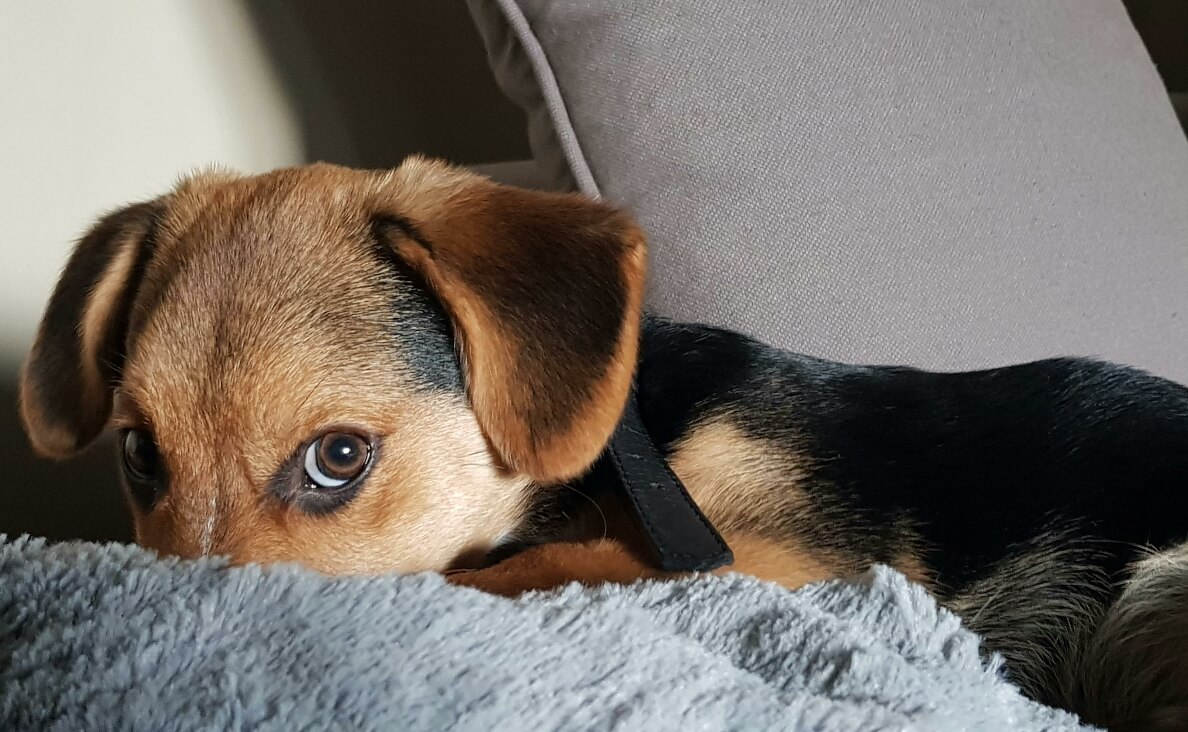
point(682, 539)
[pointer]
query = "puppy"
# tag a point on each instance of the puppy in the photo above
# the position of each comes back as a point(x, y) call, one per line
point(416, 370)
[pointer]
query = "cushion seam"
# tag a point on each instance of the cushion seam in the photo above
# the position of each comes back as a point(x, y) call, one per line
point(554, 100)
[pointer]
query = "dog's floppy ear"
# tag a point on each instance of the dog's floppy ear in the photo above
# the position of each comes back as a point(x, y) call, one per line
point(68, 379)
point(545, 291)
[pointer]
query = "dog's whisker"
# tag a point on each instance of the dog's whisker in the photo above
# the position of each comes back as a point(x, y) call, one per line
point(601, 513)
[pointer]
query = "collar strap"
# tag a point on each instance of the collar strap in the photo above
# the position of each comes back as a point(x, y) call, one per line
point(682, 539)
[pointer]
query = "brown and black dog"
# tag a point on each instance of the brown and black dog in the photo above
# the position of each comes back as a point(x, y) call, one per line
point(415, 370)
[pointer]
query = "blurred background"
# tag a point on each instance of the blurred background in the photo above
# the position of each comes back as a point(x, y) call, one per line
point(107, 102)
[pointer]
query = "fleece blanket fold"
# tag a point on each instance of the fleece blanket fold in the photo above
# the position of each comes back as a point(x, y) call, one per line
point(108, 637)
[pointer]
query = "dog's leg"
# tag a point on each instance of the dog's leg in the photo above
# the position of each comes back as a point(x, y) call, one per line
point(1134, 671)
point(610, 561)
point(547, 566)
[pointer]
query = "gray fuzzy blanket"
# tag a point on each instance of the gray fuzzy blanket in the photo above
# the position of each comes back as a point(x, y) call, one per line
point(106, 637)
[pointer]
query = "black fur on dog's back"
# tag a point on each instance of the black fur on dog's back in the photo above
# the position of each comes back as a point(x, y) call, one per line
point(1025, 491)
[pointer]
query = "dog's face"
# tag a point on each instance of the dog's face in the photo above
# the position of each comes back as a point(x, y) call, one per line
point(359, 371)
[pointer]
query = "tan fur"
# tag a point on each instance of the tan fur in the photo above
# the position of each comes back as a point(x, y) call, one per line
point(610, 561)
point(784, 563)
point(553, 565)
point(762, 481)
point(765, 480)
point(770, 479)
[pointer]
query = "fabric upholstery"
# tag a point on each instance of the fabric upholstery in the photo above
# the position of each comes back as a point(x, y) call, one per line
point(936, 183)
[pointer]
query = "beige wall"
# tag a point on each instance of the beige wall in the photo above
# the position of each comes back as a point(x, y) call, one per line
point(102, 108)
point(107, 101)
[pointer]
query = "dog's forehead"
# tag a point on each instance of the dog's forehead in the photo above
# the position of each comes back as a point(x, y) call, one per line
point(268, 259)
point(265, 307)
point(264, 216)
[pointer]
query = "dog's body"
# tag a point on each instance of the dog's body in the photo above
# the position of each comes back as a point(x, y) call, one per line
point(1023, 497)
point(416, 370)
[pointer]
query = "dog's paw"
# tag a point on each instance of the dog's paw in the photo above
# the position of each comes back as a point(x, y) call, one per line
point(550, 566)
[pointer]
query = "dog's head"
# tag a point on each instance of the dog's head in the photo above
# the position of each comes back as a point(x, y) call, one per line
point(359, 371)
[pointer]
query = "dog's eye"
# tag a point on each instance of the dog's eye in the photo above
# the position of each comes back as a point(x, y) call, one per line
point(144, 471)
point(336, 458)
point(142, 463)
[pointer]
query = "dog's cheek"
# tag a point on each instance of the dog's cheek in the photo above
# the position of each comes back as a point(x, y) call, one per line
point(449, 493)
point(435, 495)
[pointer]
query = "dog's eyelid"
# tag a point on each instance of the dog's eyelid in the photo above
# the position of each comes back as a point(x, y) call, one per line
point(125, 415)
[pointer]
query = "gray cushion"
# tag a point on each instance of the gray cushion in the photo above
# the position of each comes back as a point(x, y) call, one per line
point(938, 183)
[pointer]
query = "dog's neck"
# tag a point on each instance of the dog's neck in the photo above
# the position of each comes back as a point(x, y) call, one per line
point(630, 493)
point(676, 535)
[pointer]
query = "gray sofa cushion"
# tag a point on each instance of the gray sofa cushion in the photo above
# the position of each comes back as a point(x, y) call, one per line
point(938, 183)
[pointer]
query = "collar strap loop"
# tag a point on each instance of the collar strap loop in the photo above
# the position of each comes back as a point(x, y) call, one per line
point(681, 538)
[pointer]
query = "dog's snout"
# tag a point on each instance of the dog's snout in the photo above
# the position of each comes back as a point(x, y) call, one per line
point(190, 529)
